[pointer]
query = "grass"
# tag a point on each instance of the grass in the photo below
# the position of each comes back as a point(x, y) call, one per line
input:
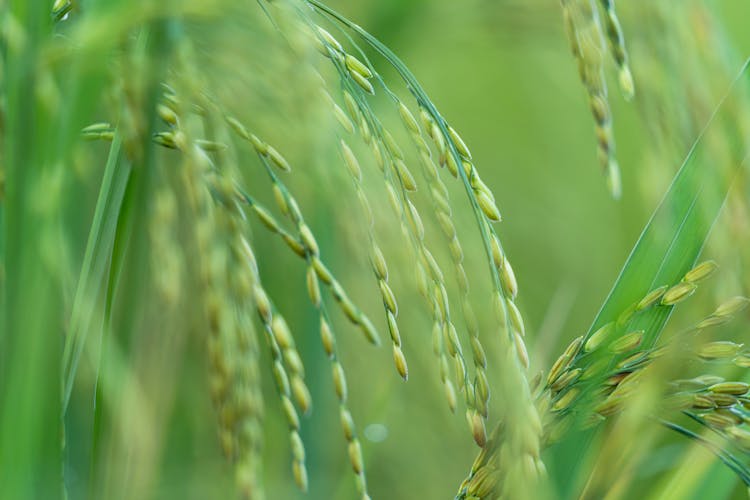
point(213, 213)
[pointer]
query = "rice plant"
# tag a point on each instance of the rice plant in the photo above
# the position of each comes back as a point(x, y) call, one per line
point(245, 251)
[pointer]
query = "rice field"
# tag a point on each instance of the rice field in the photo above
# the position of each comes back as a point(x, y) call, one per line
point(405, 250)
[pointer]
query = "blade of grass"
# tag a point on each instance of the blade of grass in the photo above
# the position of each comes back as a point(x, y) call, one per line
point(95, 268)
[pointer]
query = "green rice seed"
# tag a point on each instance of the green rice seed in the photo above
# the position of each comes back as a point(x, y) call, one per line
point(508, 279)
point(368, 329)
point(351, 162)
point(389, 299)
point(562, 363)
point(400, 361)
point(488, 206)
point(301, 394)
point(478, 430)
point(718, 350)
point(277, 159)
point(347, 423)
point(378, 263)
point(281, 333)
point(266, 218)
point(290, 413)
point(408, 118)
point(355, 456)
point(323, 273)
point(393, 329)
point(732, 306)
point(313, 286)
point(566, 400)
point(327, 338)
point(262, 304)
point(330, 40)
point(678, 293)
point(733, 388)
point(450, 395)
point(497, 253)
point(567, 379)
point(407, 179)
point(516, 320)
point(625, 316)
point(722, 400)
point(701, 272)
point(461, 147)
point(742, 361)
point(363, 83)
point(701, 402)
point(718, 421)
point(627, 342)
point(712, 321)
point(97, 128)
point(499, 308)
point(339, 380)
point(651, 298)
point(415, 220)
point(355, 65)
point(308, 240)
point(484, 483)
point(598, 337)
point(300, 475)
point(281, 199)
point(521, 352)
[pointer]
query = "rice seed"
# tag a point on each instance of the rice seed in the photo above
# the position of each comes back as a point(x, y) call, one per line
point(355, 456)
point(678, 293)
point(378, 263)
point(521, 352)
point(459, 143)
point(478, 430)
point(627, 342)
point(562, 363)
point(598, 337)
point(400, 361)
point(327, 338)
point(733, 388)
point(355, 65)
point(363, 83)
point(732, 306)
point(712, 321)
point(339, 380)
point(508, 279)
point(718, 350)
point(351, 161)
point(322, 271)
point(565, 400)
point(405, 176)
point(701, 272)
point(717, 420)
point(389, 299)
point(651, 298)
point(488, 206)
point(516, 320)
point(313, 287)
point(277, 159)
point(330, 40)
point(566, 380)
point(308, 240)
point(408, 118)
